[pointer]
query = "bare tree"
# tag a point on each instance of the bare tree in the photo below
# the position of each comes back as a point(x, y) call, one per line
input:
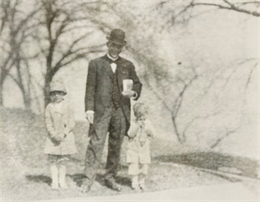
point(181, 12)
point(156, 71)
point(13, 33)
point(63, 33)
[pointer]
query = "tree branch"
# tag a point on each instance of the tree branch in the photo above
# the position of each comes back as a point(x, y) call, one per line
point(14, 79)
point(69, 51)
point(219, 140)
point(59, 31)
point(231, 7)
point(257, 3)
point(197, 118)
point(4, 18)
point(24, 21)
point(191, 4)
point(78, 56)
point(249, 77)
point(177, 106)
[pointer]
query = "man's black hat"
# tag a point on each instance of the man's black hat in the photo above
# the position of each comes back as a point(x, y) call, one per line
point(117, 36)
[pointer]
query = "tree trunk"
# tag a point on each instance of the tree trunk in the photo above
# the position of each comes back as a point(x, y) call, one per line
point(26, 100)
point(48, 79)
point(46, 92)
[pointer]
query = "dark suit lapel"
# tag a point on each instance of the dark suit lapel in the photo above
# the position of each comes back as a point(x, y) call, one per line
point(107, 67)
point(120, 68)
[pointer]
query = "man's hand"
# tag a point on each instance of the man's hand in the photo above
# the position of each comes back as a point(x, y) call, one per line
point(129, 93)
point(90, 116)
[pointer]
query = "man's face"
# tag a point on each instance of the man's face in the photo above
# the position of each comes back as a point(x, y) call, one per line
point(114, 49)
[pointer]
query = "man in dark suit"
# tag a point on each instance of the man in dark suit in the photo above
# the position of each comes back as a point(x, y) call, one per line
point(108, 108)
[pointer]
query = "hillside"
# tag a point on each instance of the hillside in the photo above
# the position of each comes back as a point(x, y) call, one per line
point(25, 170)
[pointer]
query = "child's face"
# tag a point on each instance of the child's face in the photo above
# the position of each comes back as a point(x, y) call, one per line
point(57, 96)
point(141, 118)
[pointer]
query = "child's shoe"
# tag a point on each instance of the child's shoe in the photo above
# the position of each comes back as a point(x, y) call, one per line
point(143, 186)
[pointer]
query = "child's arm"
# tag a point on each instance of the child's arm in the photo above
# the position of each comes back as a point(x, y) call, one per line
point(132, 130)
point(49, 125)
point(71, 122)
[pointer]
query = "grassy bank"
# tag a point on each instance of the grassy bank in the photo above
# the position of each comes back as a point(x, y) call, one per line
point(25, 170)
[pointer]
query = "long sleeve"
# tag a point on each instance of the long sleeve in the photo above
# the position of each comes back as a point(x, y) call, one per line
point(49, 123)
point(70, 123)
point(137, 85)
point(90, 87)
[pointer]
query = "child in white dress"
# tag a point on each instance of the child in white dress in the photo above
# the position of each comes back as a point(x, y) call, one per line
point(60, 143)
point(140, 133)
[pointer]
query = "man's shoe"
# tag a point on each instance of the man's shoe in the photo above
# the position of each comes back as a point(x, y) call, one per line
point(111, 183)
point(143, 186)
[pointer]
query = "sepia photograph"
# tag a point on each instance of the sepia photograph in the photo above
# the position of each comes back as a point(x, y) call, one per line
point(129, 100)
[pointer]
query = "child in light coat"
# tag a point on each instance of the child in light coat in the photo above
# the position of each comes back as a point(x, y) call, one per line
point(140, 133)
point(60, 143)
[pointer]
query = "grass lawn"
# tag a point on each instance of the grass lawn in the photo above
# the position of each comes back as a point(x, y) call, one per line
point(25, 171)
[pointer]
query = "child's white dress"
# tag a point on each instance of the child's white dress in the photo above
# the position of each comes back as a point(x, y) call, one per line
point(138, 148)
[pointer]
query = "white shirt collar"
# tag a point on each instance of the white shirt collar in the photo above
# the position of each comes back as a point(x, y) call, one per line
point(113, 59)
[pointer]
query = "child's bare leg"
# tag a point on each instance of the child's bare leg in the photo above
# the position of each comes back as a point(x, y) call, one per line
point(133, 170)
point(62, 175)
point(54, 176)
point(142, 175)
point(135, 184)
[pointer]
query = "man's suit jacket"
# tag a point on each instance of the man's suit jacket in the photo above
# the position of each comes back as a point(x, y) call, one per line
point(99, 86)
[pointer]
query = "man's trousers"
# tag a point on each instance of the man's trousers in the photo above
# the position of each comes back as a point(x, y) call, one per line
point(114, 122)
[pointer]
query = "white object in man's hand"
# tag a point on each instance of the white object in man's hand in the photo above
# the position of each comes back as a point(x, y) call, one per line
point(90, 116)
point(129, 93)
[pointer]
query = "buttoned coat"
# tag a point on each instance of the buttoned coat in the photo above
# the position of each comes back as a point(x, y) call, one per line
point(99, 86)
point(59, 121)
